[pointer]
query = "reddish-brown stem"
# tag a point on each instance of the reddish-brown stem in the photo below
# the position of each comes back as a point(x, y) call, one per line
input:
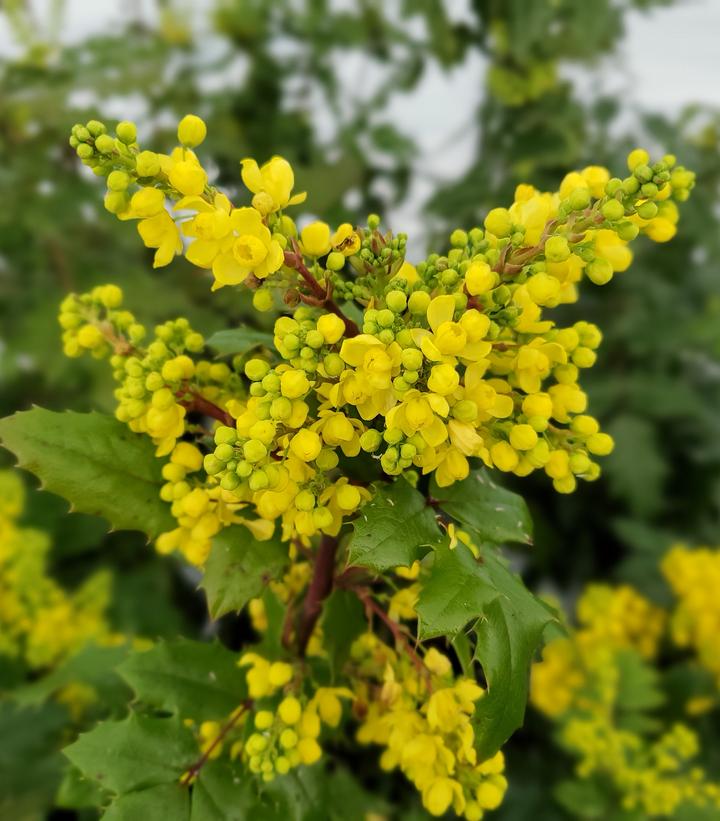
point(202, 405)
point(320, 296)
point(205, 757)
point(372, 607)
point(319, 589)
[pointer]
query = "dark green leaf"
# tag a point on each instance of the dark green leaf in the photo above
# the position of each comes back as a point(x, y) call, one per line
point(394, 528)
point(507, 637)
point(135, 754)
point(222, 794)
point(493, 513)
point(456, 592)
point(239, 567)
point(170, 801)
point(239, 340)
point(93, 461)
point(190, 678)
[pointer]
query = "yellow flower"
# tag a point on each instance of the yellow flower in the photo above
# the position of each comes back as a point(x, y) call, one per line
point(448, 339)
point(346, 240)
point(272, 182)
point(254, 251)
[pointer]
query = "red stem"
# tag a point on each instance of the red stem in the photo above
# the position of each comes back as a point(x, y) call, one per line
point(321, 296)
point(371, 606)
point(320, 587)
point(205, 757)
point(202, 405)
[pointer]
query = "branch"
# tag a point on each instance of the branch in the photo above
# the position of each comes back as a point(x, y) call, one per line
point(371, 606)
point(320, 296)
point(200, 404)
point(192, 773)
point(320, 587)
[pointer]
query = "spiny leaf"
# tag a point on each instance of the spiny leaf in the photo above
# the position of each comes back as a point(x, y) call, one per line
point(189, 678)
point(134, 754)
point(456, 592)
point(93, 461)
point(239, 567)
point(171, 801)
point(507, 636)
point(492, 512)
point(394, 529)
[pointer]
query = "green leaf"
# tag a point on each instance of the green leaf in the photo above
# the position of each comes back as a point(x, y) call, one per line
point(134, 754)
point(343, 621)
point(93, 461)
point(456, 592)
point(189, 678)
point(507, 637)
point(239, 567)
point(492, 512)
point(222, 794)
point(30, 764)
point(393, 528)
point(171, 801)
point(239, 340)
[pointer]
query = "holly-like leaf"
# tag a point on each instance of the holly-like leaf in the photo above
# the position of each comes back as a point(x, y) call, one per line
point(394, 528)
point(239, 567)
point(239, 340)
point(221, 794)
point(93, 461)
point(135, 754)
point(456, 592)
point(507, 637)
point(171, 801)
point(191, 678)
point(490, 511)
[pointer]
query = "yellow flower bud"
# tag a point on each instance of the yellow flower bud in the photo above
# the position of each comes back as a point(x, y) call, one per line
point(309, 750)
point(315, 239)
point(480, 278)
point(444, 379)
point(280, 673)
point(306, 445)
point(499, 222)
point(290, 710)
point(294, 384)
point(188, 177)
point(504, 456)
point(191, 130)
point(331, 327)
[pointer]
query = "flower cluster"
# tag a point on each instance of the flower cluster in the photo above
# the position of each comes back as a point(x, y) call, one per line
point(694, 576)
point(580, 684)
point(40, 623)
point(421, 713)
point(433, 365)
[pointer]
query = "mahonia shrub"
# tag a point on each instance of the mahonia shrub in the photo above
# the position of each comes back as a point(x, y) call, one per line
point(332, 478)
point(624, 687)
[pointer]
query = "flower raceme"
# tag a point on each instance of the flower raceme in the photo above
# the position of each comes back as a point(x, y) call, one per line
point(407, 371)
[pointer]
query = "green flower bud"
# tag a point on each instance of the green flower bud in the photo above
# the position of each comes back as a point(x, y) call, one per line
point(105, 144)
point(557, 249)
point(371, 440)
point(647, 210)
point(147, 164)
point(224, 452)
point(419, 302)
point(580, 199)
point(262, 300)
point(96, 128)
point(396, 301)
point(627, 230)
point(84, 151)
point(600, 271)
point(458, 238)
point(126, 131)
point(256, 369)
point(386, 318)
point(335, 261)
point(613, 210)
point(118, 181)
point(225, 435)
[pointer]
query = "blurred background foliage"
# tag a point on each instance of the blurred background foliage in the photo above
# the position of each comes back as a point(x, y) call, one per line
point(266, 77)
